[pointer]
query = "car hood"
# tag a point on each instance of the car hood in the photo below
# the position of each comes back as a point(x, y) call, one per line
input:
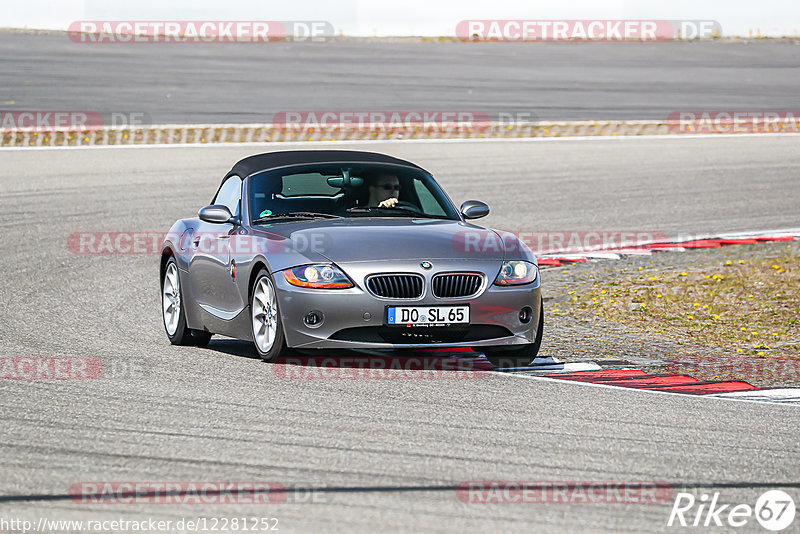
point(377, 239)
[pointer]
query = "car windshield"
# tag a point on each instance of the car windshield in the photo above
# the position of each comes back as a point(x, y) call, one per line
point(346, 190)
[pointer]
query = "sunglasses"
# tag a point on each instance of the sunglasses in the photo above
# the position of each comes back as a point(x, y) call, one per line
point(389, 187)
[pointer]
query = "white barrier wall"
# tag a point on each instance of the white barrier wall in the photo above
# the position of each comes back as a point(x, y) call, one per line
point(743, 18)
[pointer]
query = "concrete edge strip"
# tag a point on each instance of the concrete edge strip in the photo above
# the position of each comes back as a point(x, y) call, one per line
point(559, 259)
point(210, 134)
point(776, 395)
point(756, 395)
point(549, 368)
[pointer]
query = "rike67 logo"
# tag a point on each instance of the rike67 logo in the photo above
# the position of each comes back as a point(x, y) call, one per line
point(774, 510)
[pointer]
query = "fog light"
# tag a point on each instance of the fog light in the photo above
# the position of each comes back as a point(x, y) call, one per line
point(525, 315)
point(313, 319)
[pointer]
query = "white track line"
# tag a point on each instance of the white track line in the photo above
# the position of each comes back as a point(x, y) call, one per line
point(594, 255)
point(629, 251)
point(553, 368)
point(408, 141)
point(785, 232)
point(777, 395)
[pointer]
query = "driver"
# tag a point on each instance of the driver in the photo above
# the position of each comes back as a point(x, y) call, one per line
point(383, 191)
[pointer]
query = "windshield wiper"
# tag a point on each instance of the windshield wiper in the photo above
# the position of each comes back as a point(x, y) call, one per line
point(368, 209)
point(410, 211)
point(296, 215)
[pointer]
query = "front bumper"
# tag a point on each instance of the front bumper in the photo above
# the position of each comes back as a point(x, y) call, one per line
point(354, 318)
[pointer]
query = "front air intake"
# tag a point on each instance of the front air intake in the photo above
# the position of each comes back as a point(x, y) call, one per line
point(456, 285)
point(396, 286)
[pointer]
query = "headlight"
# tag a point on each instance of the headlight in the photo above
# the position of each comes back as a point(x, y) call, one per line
point(324, 276)
point(514, 273)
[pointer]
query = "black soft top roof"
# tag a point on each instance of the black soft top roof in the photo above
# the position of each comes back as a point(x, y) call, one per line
point(271, 160)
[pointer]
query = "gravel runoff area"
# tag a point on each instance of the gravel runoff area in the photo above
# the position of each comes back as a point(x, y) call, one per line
point(612, 341)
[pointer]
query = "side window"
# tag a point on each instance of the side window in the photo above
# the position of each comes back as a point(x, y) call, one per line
point(429, 203)
point(230, 194)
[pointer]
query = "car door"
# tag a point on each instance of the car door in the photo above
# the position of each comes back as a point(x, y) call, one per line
point(210, 273)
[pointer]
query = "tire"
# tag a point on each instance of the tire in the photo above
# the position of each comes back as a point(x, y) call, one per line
point(265, 318)
point(517, 357)
point(172, 311)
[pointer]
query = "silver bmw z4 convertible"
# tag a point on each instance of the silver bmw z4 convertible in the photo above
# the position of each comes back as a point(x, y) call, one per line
point(336, 249)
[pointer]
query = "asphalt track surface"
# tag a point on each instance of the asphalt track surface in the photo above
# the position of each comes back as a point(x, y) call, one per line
point(378, 454)
point(245, 83)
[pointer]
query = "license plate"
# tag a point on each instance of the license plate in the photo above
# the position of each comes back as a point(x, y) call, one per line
point(427, 315)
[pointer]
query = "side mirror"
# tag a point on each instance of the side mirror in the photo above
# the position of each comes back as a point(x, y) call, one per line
point(474, 209)
point(215, 213)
